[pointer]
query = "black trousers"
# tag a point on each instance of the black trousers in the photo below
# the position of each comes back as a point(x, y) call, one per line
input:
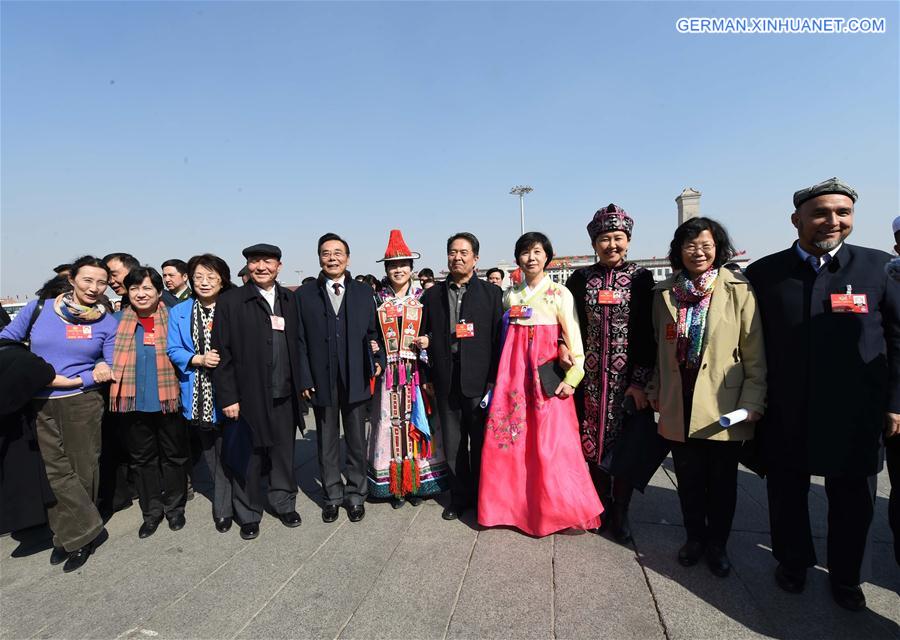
point(851, 506)
point(211, 447)
point(158, 444)
point(276, 463)
point(707, 487)
point(462, 428)
point(892, 456)
point(116, 476)
point(328, 445)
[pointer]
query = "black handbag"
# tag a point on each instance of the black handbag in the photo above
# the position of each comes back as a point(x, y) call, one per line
point(640, 449)
point(551, 374)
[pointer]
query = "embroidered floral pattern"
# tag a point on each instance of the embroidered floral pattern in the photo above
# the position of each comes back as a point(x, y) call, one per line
point(507, 426)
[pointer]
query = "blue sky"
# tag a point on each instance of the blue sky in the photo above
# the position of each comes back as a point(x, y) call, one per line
point(168, 129)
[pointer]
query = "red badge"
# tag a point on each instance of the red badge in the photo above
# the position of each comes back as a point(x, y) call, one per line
point(392, 311)
point(465, 330)
point(520, 311)
point(149, 338)
point(607, 296)
point(277, 323)
point(849, 303)
point(670, 332)
point(78, 332)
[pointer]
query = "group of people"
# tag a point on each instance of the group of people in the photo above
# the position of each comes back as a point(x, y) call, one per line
point(793, 365)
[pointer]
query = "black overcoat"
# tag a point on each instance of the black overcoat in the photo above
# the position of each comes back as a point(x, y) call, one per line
point(479, 355)
point(242, 334)
point(831, 376)
point(323, 352)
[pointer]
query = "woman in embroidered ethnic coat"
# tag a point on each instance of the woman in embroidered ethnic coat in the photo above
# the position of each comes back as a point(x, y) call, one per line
point(538, 479)
point(613, 299)
point(430, 464)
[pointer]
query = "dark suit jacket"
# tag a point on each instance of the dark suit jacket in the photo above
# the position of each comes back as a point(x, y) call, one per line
point(482, 305)
point(338, 345)
point(831, 376)
point(242, 333)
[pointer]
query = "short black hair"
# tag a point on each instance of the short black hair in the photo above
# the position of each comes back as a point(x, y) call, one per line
point(87, 261)
point(136, 276)
point(53, 287)
point(528, 240)
point(213, 262)
point(495, 270)
point(181, 265)
point(690, 229)
point(468, 237)
point(328, 237)
point(308, 279)
point(61, 268)
point(128, 261)
point(425, 273)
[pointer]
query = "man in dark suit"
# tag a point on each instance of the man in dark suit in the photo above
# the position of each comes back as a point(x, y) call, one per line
point(337, 325)
point(831, 321)
point(256, 332)
point(461, 325)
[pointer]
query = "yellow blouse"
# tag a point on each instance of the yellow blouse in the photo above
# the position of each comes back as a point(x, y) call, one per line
point(551, 304)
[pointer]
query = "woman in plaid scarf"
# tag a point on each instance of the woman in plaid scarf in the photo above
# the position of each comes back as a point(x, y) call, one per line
point(146, 394)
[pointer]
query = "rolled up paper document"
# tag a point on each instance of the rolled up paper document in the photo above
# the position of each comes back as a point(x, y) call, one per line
point(486, 400)
point(729, 419)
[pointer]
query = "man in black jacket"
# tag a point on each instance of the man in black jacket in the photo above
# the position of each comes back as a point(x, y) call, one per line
point(461, 324)
point(337, 326)
point(831, 321)
point(257, 381)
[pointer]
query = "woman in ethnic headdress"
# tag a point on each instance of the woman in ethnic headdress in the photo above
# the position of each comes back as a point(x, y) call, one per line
point(613, 300)
point(406, 458)
point(535, 478)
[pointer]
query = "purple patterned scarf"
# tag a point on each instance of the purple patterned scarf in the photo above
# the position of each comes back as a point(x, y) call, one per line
point(692, 301)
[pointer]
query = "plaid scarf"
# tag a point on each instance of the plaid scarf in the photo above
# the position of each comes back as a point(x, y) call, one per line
point(692, 301)
point(123, 391)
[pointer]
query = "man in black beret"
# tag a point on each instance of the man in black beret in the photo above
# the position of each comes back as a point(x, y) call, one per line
point(831, 323)
point(257, 382)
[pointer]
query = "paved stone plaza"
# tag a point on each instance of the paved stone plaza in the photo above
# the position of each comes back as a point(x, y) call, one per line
point(409, 574)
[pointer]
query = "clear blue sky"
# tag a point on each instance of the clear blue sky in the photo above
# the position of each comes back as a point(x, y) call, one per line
point(168, 129)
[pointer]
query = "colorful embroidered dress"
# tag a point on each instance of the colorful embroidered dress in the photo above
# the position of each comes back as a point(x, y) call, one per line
point(430, 463)
point(534, 476)
point(619, 347)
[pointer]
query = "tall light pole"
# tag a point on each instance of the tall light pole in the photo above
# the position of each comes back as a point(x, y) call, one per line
point(521, 190)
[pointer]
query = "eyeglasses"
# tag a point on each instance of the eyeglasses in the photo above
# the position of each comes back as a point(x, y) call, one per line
point(329, 254)
point(698, 248)
point(207, 279)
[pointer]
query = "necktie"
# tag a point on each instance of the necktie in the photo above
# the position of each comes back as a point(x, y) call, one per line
point(337, 288)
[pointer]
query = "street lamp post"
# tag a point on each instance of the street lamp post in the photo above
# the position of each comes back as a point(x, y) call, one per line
point(521, 190)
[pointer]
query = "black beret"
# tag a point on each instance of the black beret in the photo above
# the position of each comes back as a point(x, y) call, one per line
point(268, 250)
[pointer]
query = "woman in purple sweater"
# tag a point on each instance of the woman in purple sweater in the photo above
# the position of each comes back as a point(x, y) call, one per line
point(75, 334)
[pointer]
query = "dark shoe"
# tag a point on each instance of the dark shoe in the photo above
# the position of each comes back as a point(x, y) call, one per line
point(250, 531)
point(356, 512)
point(718, 561)
point(849, 597)
point(452, 512)
point(621, 527)
point(415, 501)
point(58, 556)
point(177, 522)
point(690, 553)
point(148, 528)
point(397, 503)
point(78, 557)
point(291, 519)
point(790, 580)
point(222, 524)
point(329, 513)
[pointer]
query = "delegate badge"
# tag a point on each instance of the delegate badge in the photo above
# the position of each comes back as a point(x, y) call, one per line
point(149, 338)
point(608, 296)
point(520, 311)
point(465, 329)
point(849, 303)
point(78, 332)
point(277, 323)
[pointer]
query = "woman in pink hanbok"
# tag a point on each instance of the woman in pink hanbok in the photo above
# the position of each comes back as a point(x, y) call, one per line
point(534, 474)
